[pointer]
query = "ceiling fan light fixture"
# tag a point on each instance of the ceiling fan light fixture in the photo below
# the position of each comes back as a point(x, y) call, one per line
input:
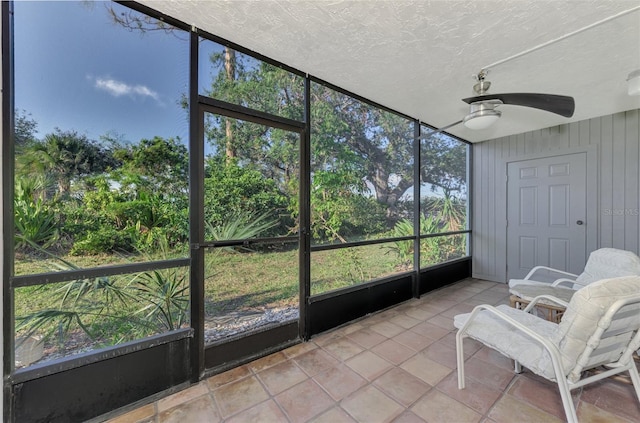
point(481, 116)
point(633, 83)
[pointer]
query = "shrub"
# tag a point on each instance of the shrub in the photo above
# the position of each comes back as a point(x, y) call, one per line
point(432, 250)
point(35, 222)
point(233, 190)
point(104, 239)
point(164, 296)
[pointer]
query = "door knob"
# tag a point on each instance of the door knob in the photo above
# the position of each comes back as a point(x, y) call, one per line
point(579, 222)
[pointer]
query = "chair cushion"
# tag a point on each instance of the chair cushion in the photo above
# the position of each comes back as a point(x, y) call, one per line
point(516, 282)
point(587, 307)
point(609, 263)
point(510, 341)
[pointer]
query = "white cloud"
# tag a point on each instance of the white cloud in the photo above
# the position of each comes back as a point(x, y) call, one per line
point(118, 88)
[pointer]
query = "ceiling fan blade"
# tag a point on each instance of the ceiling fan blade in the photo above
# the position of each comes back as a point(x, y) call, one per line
point(559, 104)
point(438, 130)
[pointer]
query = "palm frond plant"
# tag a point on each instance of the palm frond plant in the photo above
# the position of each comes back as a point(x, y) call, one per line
point(76, 290)
point(432, 250)
point(164, 295)
point(403, 249)
point(86, 305)
point(74, 304)
point(40, 323)
point(242, 225)
point(449, 210)
point(35, 220)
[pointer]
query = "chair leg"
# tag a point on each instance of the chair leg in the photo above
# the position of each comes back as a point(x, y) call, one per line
point(460, 359)
point(635, 378)
point(517, 366)
point(567, 401)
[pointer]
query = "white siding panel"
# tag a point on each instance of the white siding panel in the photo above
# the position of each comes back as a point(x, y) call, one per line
point(613, 145)
point(479, 259)
point(494, 159)
point(618, 191)
point(631, 184)
point(561, 137)
point(584, 138)
point(574, 134)
point(606, 182)
point(544, 144)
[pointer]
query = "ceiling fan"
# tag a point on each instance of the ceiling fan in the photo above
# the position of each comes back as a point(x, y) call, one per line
point(482, 107)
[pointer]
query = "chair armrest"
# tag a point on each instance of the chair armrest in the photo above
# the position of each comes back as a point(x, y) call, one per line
point(545, 297)
point(550, 269)
point(563, 281)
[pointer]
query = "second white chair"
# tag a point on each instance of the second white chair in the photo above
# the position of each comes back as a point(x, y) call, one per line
point(602, 264)
point(601, 326)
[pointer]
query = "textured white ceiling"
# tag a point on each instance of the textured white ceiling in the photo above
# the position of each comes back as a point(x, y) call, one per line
point(418, 57)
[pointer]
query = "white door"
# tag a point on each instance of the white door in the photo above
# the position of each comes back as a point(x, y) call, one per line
point(546, 214)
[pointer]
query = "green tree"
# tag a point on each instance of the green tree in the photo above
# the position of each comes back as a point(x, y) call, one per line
point(349, 137)
point(339, 208)
point(377, 145)
point(443, 163)
point(65, 156)
point(25, 128)
point(159, 165)
point(346, 132)
point(234, 190)
point(136, 207)
point(242, 80)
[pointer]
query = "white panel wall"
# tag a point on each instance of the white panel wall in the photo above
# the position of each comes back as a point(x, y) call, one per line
point(612, 144)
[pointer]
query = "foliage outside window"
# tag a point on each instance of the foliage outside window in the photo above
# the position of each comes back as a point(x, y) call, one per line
point(229, 75)
point(341, 267)
point(101, 177)
point(250, 287)
point(361, 168)
point(443, 248)
point(443, 197)
point(101, 172)
point(362, 185)
point(251, 172)
point(81, 315)
point(251, 188)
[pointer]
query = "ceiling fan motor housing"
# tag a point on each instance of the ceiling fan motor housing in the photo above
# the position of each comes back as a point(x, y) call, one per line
point(482, 114)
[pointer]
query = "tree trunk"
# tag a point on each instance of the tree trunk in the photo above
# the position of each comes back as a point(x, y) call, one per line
point(230, 70)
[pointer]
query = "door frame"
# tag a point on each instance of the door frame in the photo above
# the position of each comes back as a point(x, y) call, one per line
point(206, 360)
point(592, 196)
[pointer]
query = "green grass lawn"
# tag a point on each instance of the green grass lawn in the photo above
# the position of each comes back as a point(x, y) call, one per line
point(258, 279)
point(234, 281)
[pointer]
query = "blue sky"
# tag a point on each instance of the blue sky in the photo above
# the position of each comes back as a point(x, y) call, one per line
point(77, 70)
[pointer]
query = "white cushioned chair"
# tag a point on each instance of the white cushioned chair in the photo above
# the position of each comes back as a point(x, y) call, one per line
point(601, 327)
point(602, 264)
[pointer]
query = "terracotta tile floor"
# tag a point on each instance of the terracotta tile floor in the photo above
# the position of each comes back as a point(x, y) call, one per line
point(397, 365)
